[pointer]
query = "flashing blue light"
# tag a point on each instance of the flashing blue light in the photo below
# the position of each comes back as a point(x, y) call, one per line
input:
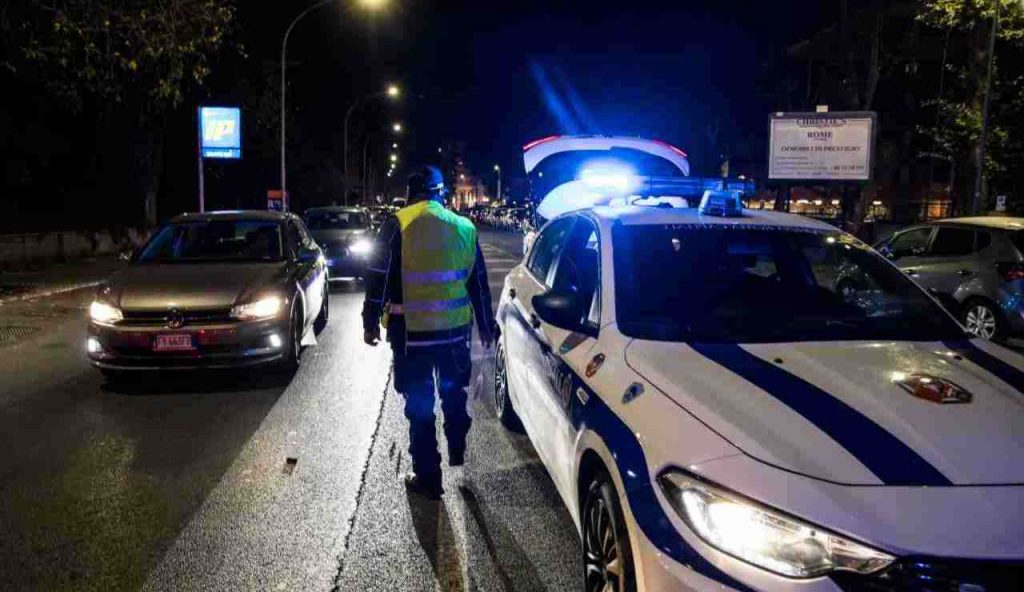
point(726, 204)
point(615, 179)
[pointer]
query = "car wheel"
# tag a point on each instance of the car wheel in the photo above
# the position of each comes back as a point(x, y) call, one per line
point(325, 310)
point(983, 320)
point(293, 354)
point(607, 555)
point(502, 403)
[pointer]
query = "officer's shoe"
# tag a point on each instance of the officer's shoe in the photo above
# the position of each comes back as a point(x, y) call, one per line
point(429, 488)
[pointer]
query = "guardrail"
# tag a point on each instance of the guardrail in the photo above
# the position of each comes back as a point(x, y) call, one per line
point(31, 249)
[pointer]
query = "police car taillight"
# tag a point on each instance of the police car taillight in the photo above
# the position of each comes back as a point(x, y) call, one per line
point(721, 203)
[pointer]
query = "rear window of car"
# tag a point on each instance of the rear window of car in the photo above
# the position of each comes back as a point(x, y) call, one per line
point(1017, 238)
point(951, 241)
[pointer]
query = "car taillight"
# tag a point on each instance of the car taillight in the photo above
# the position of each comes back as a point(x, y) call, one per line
point(1011, 271)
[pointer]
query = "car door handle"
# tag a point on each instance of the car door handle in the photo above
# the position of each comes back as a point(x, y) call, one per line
point(534, 320)
point(512, 293)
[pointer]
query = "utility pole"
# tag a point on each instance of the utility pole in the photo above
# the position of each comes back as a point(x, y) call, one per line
point(979, 173)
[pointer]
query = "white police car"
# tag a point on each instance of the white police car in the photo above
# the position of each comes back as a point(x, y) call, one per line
point(717, 415)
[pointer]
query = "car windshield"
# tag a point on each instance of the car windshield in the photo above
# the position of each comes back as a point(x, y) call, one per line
point(330, 220)
point(744, 285)
point(218, 240)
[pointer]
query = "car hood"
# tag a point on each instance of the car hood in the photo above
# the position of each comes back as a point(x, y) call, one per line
point(833, 411)
point(335, 236)
point(190, 286)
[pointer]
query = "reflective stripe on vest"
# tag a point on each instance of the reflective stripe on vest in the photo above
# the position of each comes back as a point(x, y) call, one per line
point(438, 253)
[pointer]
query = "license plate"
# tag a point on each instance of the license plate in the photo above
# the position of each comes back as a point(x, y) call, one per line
point(174, 342)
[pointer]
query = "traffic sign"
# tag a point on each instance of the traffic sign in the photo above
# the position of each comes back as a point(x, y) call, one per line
point(220, 132)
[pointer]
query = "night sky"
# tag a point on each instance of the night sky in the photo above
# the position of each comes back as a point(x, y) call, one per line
point(498, 76)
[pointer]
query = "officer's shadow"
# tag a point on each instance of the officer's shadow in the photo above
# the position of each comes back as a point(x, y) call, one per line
point(434, 531)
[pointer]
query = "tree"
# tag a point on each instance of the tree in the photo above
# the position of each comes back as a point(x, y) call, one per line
point(127, 62)
point(957, 134)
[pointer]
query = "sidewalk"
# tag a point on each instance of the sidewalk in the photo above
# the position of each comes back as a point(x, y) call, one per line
point(56, 279)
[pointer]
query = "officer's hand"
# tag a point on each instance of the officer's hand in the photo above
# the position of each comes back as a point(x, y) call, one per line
point(372, 337)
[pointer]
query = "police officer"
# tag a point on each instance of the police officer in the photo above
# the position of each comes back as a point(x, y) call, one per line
point(426, 278)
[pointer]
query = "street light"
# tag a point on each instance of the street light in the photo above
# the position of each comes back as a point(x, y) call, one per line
point(396, 127)
point(284, 66)
point(391, 92)
point(497, 169)
point(394, 145)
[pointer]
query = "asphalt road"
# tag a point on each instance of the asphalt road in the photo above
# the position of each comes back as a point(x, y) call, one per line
point(183, 482)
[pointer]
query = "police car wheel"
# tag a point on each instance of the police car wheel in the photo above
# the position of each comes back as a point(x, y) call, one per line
point(502, 404)
point(607, 555)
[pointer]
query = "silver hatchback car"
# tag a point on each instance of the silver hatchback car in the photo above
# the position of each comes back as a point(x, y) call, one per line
point(978, 262)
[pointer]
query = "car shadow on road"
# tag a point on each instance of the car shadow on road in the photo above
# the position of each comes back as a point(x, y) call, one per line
point(433, 527)
point(192, 382)
point(505, 553)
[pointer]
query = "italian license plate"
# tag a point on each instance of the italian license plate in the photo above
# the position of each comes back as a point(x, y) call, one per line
point(173, 342)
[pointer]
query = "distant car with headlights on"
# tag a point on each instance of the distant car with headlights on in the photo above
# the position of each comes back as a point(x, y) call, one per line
point(346, 236)
point(716, 415)
point(220, 289)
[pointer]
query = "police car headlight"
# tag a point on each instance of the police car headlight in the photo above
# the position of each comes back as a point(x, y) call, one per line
point(258, 310)
point(104, 313)
point(361, 247)
point(763, 537)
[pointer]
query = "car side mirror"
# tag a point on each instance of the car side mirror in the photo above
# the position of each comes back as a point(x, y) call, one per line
point(307, 254)
point(565, 310)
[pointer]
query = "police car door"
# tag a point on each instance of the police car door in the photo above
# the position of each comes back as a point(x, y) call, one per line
point(563, 355)
point(528, 371)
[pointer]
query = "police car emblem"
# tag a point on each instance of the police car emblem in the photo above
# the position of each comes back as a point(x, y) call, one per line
point(934, 389)
point(595, 365)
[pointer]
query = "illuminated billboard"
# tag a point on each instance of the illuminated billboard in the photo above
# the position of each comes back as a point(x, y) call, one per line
point(220, 132)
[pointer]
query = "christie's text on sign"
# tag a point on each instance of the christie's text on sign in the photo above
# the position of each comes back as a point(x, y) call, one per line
point(825, 147)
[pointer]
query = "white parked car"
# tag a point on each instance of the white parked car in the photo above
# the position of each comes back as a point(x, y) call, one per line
point(715, 414)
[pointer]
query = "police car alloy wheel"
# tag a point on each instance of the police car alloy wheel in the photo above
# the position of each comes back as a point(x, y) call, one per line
point(607, 557)
point(502, 405)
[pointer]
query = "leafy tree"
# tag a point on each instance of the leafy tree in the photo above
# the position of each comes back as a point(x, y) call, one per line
point(126, 63)
point(956, 133)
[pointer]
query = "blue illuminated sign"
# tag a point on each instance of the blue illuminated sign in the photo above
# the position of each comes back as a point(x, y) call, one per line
point(220, 132)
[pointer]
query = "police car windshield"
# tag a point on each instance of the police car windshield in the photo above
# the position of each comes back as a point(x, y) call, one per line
point(752, 285)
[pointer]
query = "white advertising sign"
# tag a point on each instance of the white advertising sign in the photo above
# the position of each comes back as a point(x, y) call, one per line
point(821, 146)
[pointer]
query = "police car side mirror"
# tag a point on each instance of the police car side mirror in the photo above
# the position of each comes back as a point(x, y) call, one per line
point(564, 310)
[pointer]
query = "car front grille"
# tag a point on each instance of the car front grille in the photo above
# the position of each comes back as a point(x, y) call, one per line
point(921, 574)
point(160, 318)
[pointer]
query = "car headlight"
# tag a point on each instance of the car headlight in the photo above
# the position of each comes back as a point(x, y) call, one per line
point(101, 312)
point(267, 307)
point(361, 247)
point(763, 537)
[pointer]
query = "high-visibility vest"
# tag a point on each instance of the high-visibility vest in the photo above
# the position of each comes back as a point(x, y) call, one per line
point(438, 254)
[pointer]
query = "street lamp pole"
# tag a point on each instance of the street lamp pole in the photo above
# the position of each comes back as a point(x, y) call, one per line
point(498, 169)
point(284, 66)
point(391, 91)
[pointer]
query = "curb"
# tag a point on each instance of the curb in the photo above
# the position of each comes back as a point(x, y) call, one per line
point(48, 292)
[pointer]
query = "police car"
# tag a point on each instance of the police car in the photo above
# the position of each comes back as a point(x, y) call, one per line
point(715, 414)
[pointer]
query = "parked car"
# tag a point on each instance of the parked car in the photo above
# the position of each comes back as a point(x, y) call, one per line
point(346, 236)
point(978, 263)
point(221, 289)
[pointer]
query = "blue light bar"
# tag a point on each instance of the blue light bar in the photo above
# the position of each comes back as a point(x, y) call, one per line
point(725, 204)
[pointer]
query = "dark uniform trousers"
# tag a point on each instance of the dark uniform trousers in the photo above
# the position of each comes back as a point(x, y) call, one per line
point(418, 372)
